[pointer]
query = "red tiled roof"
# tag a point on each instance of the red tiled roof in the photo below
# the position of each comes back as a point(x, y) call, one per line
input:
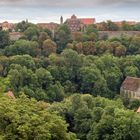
point(138, 111)
point(131, 83)
point(10, 94)
point(87, 21)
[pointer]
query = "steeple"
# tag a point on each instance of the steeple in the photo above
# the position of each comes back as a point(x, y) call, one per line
point(61, 20)
point(26, 20)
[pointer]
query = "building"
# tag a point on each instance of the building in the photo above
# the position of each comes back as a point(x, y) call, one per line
point(51, 26)
point(131, 88)
point(78, 24)
point(16, 35)
point(6, 26)
point(10, 95)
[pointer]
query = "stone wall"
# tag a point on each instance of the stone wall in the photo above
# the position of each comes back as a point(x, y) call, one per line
point(112, 34)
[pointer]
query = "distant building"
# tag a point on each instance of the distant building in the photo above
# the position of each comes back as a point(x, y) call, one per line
point(131, 88)
point(6, 26)
point(51, 26)
point(16, 35)
point(10, 94)
point(78, 24)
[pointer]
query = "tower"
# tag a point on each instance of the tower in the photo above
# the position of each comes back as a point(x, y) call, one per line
point(61, 20)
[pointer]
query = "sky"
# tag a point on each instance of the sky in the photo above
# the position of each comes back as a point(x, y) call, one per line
point(38, 11)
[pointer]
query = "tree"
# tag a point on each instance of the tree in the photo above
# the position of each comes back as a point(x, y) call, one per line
point(44, 78)
point(22, 26)
point(131, 71)
point(91, 29)
point(25, 119)
point(112, 26)
point(89, 48)
point(134, 47)
point(21, 47)
point(48, 47)
point(120, 51)
point(126, 26)
point(90, 76)
point(62, 37)
point(42, 37)
point(4, 39)
point(31, 32)
point(98, 118)
point(55, 92)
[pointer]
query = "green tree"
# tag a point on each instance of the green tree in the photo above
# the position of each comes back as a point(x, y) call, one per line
point(25, 119)
point(4, 39)
point(62, 37)
point(21, 47)
point(48, 47)
point(31, 32)
point(55, 92)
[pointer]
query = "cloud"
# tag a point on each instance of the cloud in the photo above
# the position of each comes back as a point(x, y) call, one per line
point(51, 10)
point(69, 3)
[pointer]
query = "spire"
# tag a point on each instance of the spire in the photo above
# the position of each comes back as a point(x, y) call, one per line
point(61, 20)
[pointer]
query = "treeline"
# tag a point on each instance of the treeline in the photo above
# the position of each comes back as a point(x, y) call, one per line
point(118, 26)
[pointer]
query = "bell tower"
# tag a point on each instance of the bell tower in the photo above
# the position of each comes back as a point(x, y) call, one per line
point(61, 20)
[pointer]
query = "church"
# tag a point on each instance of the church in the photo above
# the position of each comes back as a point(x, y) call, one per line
point(77, 24)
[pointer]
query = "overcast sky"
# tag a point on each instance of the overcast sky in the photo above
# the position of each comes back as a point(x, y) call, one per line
point(51, 10)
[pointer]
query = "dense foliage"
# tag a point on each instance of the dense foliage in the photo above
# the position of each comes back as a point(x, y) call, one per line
point(51, 67)
point(25, 119)
point(99, 118)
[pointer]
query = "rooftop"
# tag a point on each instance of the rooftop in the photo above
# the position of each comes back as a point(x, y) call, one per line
point(131, 84)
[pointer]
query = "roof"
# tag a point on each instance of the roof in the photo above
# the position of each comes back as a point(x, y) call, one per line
point(87, 21)
point(138, 111)
point(15, 35)
point(51, 26)
point(7, 25)
point(131, 83)
point(10, 94)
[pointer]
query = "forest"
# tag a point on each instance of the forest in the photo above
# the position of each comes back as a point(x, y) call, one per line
point(67, 86)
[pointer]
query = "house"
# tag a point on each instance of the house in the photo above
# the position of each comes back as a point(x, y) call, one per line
point(16, 35)
point(51, 26)
point(131, 88)
point(10, 95)
point(6, 26)
point(78, 24)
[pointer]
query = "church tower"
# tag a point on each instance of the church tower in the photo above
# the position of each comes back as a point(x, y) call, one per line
point(61, 20)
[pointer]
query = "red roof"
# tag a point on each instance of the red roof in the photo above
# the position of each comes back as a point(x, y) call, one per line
point(10, 94)
point(87, 21)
